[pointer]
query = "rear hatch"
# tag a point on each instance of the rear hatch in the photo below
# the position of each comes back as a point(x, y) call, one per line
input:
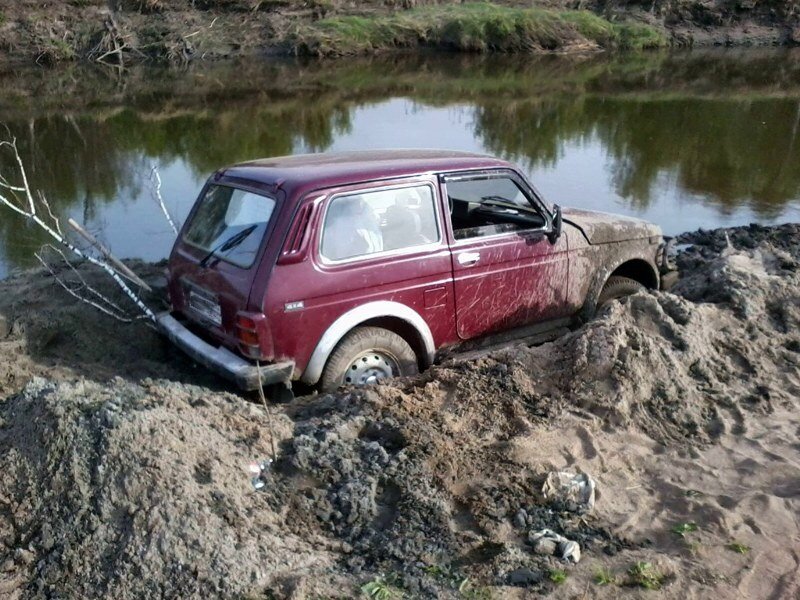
point(214, 262)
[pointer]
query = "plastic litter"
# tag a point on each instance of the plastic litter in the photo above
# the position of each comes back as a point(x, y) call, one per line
point(258, 471)
point(550, 543)
point(574, 490)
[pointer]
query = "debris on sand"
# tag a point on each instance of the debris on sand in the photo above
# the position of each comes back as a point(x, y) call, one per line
point(574, 491)
point(549, 543)
point(128, 482)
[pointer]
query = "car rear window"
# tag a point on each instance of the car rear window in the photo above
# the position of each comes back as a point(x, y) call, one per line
point(223, 214)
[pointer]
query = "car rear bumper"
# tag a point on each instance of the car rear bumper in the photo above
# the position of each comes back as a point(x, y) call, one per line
point(220, 360)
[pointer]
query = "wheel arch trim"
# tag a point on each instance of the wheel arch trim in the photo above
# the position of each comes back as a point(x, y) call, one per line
point(355, 317)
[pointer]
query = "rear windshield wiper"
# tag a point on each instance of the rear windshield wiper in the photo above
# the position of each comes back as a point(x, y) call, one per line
point(229, 244)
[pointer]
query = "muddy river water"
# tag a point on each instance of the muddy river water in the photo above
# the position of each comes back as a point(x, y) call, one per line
point(696, 139)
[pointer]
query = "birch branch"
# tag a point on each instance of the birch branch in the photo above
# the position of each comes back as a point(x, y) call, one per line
point(110, 303)
point(28, 210)
point(74, 293)
point(155, 179)
point(118, 264)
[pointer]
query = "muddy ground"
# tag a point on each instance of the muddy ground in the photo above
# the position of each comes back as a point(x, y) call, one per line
point(124, 469)
point(181, 31)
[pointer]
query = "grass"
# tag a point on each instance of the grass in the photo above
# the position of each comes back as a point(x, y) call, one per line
point(645, 575)
point(473, 27)
point(380, 589)
point(738, 548)
point(682, 529)
point(604, 577)
point(557, 576)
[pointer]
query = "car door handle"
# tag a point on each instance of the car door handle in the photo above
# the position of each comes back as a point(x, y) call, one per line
point(466, 259)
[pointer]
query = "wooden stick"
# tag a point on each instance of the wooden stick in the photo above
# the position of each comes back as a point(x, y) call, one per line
point(118, 264)
point(269, 413)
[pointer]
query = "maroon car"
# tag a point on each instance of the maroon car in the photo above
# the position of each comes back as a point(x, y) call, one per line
point(348, 268)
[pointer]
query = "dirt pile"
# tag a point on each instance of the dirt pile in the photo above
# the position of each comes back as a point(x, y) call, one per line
point(127, 491)
point(139, 487)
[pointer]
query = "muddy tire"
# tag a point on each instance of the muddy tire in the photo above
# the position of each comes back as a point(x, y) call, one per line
point(367, 355)
point(618, 287)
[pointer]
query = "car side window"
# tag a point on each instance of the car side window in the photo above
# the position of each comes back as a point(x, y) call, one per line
point(490, 206)
point(377, 221)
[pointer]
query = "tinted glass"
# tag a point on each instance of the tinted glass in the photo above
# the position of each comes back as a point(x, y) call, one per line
point(225, 212)
point(371, 222)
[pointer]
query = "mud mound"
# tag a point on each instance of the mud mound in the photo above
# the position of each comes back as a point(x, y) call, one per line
point(421, 474)
point(688, 364)
point(133, 487)
point(130, 491)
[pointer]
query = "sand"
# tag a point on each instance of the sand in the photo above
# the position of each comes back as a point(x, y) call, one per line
point(123, 468)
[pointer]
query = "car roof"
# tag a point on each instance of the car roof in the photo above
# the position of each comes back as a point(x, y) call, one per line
point(331, 169)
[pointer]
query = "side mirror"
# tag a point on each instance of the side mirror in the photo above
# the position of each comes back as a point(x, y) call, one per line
point(555, 231)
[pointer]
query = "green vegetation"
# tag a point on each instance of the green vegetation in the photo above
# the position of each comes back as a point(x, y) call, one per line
point(54, 51)
point(381, 589)
point(682, 529)
point(738, 548)
point(604, 577)
point(476, 27)
point(644, 575)
point(557, 576)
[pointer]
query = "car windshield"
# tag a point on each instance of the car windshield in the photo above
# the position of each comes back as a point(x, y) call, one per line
point(225, 212)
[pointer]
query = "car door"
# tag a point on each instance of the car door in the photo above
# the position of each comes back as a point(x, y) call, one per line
point(376, 242)
point(506, 271)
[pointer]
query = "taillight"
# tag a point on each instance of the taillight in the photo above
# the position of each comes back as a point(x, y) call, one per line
point(247, 332)
point(245, 323)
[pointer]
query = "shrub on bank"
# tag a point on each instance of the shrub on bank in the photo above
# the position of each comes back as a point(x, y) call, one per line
point(478, 27)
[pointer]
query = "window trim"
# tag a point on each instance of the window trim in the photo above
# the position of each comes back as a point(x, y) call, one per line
point(383, 253)
point(267, 230)
point(503, 173)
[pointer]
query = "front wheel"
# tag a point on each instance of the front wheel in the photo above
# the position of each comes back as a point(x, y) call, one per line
point(618, 287)
point(368, 355)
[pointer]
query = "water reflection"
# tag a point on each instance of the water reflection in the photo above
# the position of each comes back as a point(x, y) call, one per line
point(685, 140)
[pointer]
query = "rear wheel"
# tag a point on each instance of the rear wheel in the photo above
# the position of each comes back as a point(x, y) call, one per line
point(618, 287)
point(368, 355)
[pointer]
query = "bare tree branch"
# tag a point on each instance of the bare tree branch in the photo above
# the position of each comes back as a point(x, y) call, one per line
point(28, 210)
point(74, 292)
point(46, 204)
point(117, 264)
point(155, 179)
point(83, 284)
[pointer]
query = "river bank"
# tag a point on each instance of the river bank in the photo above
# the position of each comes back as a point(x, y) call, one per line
point(122, 32)
point(124, 468)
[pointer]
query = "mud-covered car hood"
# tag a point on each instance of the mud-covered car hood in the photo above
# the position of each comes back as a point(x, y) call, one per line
point(603, 228)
